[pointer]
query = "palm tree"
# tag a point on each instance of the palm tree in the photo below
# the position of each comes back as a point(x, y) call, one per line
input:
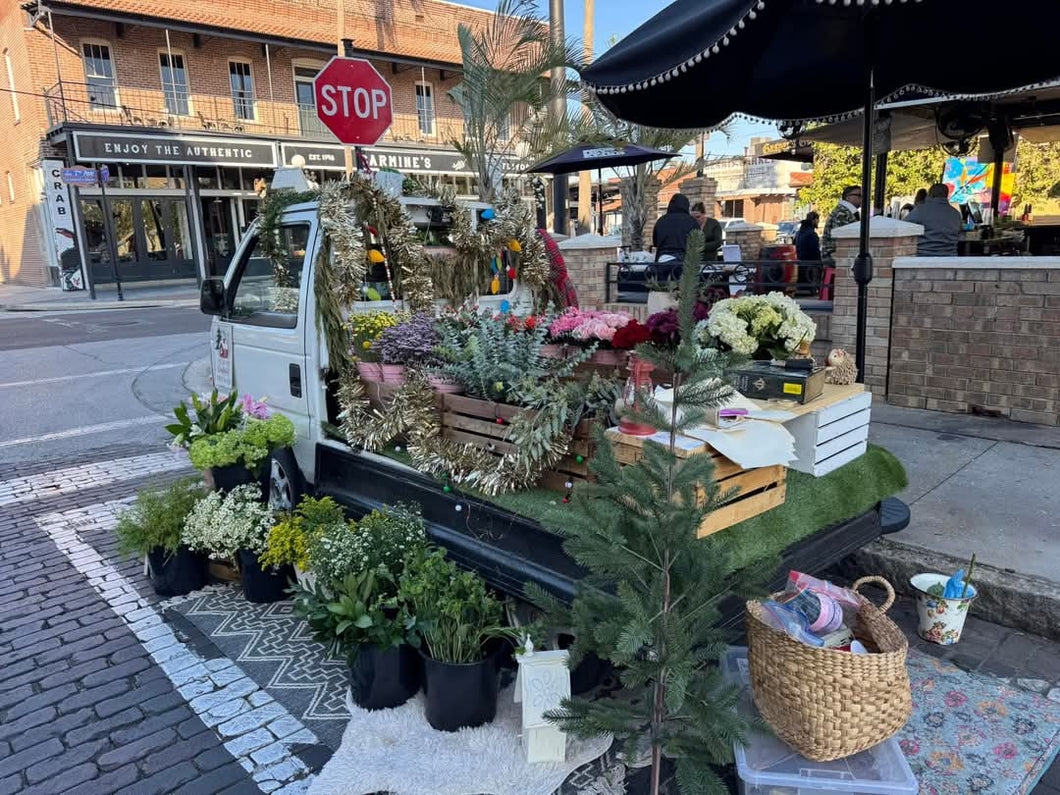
point(503, 91)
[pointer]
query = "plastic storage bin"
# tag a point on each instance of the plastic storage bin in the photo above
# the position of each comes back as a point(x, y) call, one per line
point(766, 766)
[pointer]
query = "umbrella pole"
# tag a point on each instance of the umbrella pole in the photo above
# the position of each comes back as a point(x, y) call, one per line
point(863, 261)
point(600, 200)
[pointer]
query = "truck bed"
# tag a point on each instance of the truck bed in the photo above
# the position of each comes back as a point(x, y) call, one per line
point(509, 550)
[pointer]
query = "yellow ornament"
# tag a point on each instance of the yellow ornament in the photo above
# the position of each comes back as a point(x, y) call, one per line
point(495, 285)
point(515, 245)
point(367, 345)
point(375, 256)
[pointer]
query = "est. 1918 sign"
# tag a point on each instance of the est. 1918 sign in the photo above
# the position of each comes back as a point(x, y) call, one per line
point(353, 101)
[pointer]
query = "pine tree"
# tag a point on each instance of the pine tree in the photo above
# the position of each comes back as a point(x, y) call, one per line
point(650, 602)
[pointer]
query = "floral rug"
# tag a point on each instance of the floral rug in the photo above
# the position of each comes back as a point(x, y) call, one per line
point(972, 733)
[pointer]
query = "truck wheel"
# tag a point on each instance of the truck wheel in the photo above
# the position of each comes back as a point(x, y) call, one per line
point(285, 484)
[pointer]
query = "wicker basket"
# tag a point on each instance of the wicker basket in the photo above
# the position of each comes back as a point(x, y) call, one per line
point(828, 704)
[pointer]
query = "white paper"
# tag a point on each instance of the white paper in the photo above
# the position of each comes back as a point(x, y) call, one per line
point(753, 444)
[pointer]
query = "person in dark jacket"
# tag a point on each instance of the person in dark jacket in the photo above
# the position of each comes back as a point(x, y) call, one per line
point(712, 234)
point(670, 237)
point(807, 243)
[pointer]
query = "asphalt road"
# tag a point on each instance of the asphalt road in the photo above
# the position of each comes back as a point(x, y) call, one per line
point(72, 382)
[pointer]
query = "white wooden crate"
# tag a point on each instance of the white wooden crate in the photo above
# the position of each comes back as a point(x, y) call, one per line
point(832, 435)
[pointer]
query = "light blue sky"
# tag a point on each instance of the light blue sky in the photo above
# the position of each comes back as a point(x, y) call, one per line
point(616, 18)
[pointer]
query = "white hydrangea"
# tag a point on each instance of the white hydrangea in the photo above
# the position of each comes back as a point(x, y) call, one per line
point(222, 523)
point(749, 322)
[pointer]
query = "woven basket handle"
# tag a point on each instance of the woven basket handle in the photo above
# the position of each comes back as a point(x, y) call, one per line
point(883, 584)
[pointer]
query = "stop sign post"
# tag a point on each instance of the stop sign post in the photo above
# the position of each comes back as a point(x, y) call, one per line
point(353, 101)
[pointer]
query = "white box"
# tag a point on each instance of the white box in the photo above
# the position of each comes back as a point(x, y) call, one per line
point(833, 434)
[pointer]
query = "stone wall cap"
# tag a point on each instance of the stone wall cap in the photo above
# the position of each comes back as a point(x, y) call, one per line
point(741, 226)
point(879, 226)
point(979, 263)
point(591, 241)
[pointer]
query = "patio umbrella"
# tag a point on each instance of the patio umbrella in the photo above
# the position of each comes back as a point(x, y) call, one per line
point(698, 62)
point(599, 156)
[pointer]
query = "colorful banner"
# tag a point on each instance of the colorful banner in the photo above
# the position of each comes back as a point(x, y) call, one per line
point(971, 181)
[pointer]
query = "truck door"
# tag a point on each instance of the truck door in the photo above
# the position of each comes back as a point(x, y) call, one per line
point(266, 309)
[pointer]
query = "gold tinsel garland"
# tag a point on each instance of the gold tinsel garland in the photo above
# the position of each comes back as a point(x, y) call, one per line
point(413, 412)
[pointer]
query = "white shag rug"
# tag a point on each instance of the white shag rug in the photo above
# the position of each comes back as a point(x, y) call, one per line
point(396, 751)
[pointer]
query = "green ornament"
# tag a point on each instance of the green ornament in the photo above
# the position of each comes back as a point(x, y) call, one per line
point(498, 386)
point(446, 488)
point(579, 458)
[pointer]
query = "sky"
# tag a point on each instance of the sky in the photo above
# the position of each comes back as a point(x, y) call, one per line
point(614, 19)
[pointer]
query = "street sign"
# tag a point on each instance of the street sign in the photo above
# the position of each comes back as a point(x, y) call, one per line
point(79, 176)
point(353, 101)
point(104, 174)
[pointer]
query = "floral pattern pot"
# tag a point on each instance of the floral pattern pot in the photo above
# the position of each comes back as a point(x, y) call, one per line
point(941, 620)
point(370, 372)
point(393, 373)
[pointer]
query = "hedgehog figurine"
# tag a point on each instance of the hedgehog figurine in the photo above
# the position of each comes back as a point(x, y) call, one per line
point(841, 368)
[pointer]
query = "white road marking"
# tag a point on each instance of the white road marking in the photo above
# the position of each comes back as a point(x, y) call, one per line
point(84, 430)
point(99, 374)
point(88, 476)
point(248, 721)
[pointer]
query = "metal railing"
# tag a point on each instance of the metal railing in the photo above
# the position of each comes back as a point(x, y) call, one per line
point(810, 283)
point(124, 106)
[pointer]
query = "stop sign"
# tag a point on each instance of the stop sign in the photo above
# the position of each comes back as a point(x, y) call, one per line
point(353, 101)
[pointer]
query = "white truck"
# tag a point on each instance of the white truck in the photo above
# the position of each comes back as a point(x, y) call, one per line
point(280, 355)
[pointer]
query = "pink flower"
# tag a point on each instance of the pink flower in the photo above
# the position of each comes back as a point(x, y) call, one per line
point(593, 329)
point(955, 699)
point(615, 320)
point(254, 408)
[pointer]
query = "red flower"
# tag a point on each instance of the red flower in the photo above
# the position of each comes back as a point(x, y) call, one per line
point(630, 336)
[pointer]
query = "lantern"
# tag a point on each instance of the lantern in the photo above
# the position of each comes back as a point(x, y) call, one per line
point(639, 378)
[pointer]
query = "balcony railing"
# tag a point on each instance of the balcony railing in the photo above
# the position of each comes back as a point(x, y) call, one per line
point(173, 109)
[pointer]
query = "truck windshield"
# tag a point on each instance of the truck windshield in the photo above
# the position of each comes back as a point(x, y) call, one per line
point(266, 294)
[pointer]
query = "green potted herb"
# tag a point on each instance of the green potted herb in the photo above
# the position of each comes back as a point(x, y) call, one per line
point(236, 456)
point(152, 526)
point(212, 415)
point(234, 525)
point(461, 624)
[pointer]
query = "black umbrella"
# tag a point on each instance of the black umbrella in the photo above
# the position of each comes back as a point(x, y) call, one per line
point(698, 62)
point(585, 157)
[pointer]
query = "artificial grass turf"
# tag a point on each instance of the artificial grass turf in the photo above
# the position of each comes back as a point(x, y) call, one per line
point(812, 504)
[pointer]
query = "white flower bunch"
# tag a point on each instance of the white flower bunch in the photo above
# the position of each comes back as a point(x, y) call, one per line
point(745, 324)
point(379, 540)
point(224, 523)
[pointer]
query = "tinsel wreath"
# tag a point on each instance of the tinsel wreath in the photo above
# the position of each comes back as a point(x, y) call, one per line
point(414, 413)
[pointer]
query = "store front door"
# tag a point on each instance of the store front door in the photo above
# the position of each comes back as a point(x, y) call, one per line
point(152, 235)
point(219, 228)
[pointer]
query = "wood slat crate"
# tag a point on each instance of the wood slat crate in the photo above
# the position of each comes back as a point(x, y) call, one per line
point(473, 421)
point(759, 489)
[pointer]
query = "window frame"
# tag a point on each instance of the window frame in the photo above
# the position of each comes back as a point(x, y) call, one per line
point(114, 68)
point(11, 86)
point(253, 99)
point(429, 95)
point(265, 318)
point(163, 51)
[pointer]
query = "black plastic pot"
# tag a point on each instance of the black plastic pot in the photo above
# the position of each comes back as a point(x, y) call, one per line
point(261, 586)
point(461, 695)
point(227, 478)
point(385, 678)
point(176, 573)
point(588, 673)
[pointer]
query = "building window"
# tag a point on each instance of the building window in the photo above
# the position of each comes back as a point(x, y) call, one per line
point(242, 89)
point(308, 122)
point(174, 83)
point(99, 76)
point(425, 108)
point(11, 86)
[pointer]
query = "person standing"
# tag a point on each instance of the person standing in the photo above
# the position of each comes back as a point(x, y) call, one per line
point(807, 242)
point(941, 222)
point(712, 236)
point(844, 214)
point(670, 238)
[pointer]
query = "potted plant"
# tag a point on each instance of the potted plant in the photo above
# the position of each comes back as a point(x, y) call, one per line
point(153, 526)
point(770, 326)
point(359, 617)
point(410, 342)
point(235, 456)
point(212, 416)
point(290, 538)
point(364, 328)
point(233, 526)
point(460, 623)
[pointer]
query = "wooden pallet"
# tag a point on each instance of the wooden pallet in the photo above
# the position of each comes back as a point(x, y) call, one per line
point(474, 421)
point(758, 489)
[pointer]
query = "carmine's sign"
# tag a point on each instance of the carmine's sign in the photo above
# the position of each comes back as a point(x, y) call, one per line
point(172, 149)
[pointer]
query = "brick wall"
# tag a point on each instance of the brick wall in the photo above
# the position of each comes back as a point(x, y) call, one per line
point(979, 338)
point(586, 268)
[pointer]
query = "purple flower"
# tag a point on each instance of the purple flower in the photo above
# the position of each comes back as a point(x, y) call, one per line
point(664, 326)
point(410, 341)
point(254, 408)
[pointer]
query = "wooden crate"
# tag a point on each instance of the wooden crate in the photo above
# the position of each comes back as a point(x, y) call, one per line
point(831, 430)
point(473, 421)
point(759, 489)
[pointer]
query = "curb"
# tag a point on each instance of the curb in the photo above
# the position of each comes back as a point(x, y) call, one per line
point(81, 306)
point(1014, 600)
point(197, 377)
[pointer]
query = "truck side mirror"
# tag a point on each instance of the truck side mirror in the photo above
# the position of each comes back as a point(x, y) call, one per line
point(212, 297)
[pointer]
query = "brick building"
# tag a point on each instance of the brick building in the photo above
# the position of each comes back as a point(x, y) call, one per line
point(188, 102)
